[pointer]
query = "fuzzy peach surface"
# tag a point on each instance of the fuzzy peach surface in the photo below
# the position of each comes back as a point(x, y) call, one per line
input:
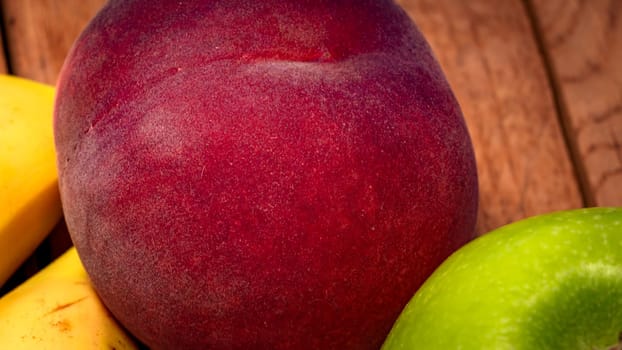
point(260, 175)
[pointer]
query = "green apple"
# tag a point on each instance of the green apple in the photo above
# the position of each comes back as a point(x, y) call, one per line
point(547, 282)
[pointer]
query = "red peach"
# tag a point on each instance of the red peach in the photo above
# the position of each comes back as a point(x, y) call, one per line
point(260, 174)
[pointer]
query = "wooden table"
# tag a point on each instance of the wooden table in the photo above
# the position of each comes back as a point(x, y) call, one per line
point(539, 82)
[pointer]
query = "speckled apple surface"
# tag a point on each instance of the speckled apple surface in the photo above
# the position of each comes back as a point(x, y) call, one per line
point(547, 282)
point(260, 174)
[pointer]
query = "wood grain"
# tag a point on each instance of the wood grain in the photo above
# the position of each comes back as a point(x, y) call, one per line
point(40, 33)
point(583, 41)
point(490, 56)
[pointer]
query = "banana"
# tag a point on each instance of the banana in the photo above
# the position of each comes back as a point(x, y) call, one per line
point(58, 309)
point(29, 199)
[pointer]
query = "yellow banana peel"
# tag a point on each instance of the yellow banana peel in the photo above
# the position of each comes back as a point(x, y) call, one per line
point(29, 199)
point(58, 309)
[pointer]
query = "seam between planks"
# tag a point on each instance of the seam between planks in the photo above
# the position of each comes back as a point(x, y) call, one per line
point(587, 198)
point(4, 40)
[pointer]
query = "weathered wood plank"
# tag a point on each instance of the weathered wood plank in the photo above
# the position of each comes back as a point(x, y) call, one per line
point(583, 41)
point(40, 32)
point(489, 54)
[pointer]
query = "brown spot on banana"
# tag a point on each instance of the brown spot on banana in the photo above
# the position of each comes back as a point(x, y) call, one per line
point(64, 306)
point(63, 326)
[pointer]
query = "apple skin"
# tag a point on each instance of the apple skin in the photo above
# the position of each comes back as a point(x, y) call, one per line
point(260, 175)
point(547, 282)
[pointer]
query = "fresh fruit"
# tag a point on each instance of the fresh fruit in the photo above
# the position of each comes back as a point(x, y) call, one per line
point(260, 174)
point(548, 282)
point(58, 309)
point(29, 199)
